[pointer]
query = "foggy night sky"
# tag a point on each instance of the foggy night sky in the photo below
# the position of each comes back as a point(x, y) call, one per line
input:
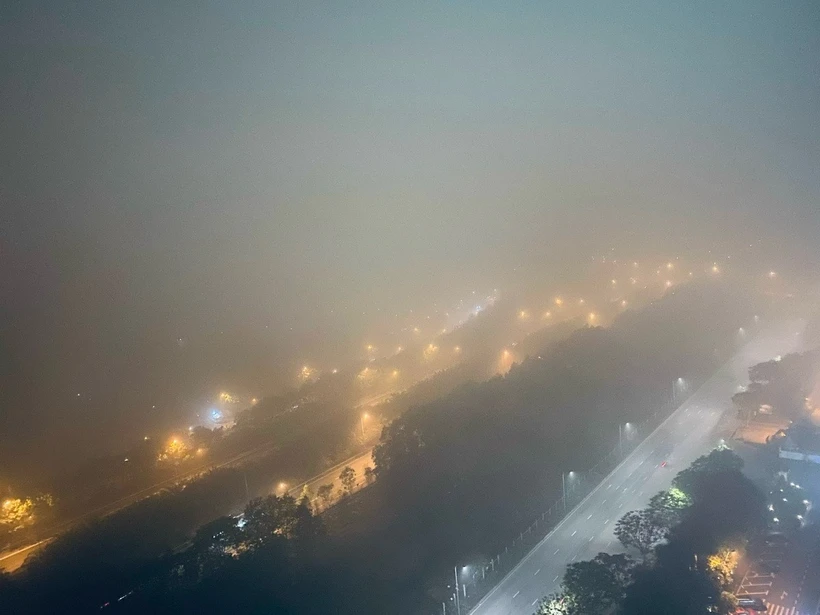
point(180, 169)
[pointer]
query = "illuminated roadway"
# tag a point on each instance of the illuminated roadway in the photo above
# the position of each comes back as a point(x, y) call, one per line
point(691, 431)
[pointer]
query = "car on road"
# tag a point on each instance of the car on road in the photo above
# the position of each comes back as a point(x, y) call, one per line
point(755, 604)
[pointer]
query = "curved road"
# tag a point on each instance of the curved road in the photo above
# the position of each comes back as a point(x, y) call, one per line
point(687, 434)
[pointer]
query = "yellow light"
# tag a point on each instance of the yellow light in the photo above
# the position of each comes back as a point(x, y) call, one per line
point(669, 265)
point(457, 349)
point(715, 269)
point(369, 347)
point(283, 486)
point(506, 353)
point(772, 274)
point(581, 301)
point(559, 301)
point(668, 283)
point(365, 415)
point(399, 349)
point(623, 303)
point(522, 314)
point(395, 373)
point(547, 314)
point(592, 316)
point(254, 401)
point(614, 282)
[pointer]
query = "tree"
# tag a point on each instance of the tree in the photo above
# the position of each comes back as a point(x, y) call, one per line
point(664, 590)
point(222, 534)
point(748, 402)
point(727, 603)
point(325, 494)
point(348, 478)
point(268, 517)
point(721, 566)
point(668, 507)
point(558, 604)
point(202, 436)
point(599, 584)
point(307, 526)
point(637, 529)
point(721, 459)
point(369, 475)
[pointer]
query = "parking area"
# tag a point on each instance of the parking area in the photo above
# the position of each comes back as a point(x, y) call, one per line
point(782, 573)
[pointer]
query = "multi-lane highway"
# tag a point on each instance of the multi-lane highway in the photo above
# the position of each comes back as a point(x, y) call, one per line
point(689, 432)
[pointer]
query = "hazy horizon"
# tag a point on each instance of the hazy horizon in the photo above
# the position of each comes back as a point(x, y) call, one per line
point(265, 181)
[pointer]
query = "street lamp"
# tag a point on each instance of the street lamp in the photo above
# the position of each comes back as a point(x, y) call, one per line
point(364, 416)
point(564, 477)
point(625, 428)
point(458, 601)
point(679, 384)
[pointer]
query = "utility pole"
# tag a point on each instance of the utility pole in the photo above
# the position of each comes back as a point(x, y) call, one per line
point(247, 491)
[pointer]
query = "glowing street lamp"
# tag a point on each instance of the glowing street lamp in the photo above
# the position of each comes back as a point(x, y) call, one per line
point(568, 476)
point(364, 416)
point(623, 430)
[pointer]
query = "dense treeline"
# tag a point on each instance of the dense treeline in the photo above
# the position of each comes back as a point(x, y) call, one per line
point(457, 477)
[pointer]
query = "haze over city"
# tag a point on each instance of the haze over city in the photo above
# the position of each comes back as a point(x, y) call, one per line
point(246, 246)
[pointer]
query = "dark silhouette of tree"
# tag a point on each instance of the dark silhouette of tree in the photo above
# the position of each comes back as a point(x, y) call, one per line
point(639, 530)
point(348, 479)
point(599, 584)
point(667, 508)
point(268, 517)
point(325, 494)
point(720, 460)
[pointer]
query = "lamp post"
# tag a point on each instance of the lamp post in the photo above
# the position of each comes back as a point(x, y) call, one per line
point(361, 422)
point(564, 477)
point(622, 428)
point(458, 601)
point(680, 383)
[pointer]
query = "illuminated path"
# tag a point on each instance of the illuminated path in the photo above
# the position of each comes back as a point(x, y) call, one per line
point(687, 434)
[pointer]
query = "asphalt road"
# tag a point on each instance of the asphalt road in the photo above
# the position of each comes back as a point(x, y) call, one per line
point(691, 431)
